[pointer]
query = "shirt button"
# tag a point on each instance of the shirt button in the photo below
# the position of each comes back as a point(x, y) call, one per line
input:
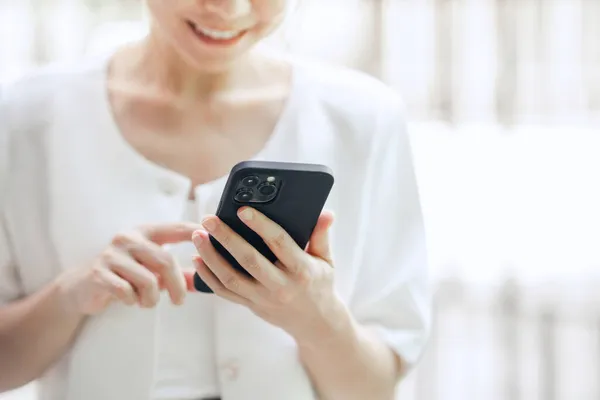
point(168, 187)
point(231, 371)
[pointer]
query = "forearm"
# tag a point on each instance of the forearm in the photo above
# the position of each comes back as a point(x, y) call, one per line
point(34, 333)
point(352, 363)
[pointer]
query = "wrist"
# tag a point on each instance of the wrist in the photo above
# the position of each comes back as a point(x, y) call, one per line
point(336, 324)
point(61, 289)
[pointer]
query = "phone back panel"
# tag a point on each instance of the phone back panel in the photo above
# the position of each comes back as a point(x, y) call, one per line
point(301, 191)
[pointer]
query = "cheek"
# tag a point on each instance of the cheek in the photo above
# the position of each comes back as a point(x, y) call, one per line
point(271, 13)
point(164, 11)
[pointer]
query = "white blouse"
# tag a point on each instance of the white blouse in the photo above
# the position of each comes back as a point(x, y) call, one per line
point(69, 182)
point(186, 360)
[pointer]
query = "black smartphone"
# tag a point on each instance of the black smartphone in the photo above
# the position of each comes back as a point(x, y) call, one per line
point(291, 194)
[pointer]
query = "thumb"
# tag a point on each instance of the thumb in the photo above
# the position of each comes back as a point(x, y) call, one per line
point(318, 245)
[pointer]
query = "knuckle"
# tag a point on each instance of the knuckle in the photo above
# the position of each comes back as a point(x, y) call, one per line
point(97, 274)
point(250, 261)
point(108, 258)
point(283, 296)
point(278, 240)
point(165, 263)
point(121, 291)
point(160, 267)
point(224, 239)
point(231, 282)
point(304, 276)
point(149, 283)
point(123, 239)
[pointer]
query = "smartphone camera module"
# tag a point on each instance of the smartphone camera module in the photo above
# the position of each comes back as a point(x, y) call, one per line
point(250, 181)
point(244, 195)
point(257, 188)
point(267, 189)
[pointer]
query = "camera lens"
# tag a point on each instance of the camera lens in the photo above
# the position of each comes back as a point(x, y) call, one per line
point(267, 189)
point(244, 195)
point(250, 181)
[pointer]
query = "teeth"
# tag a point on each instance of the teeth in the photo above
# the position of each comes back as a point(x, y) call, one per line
point(217, 35)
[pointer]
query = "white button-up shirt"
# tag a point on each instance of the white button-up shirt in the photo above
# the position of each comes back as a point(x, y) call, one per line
point(69, 182)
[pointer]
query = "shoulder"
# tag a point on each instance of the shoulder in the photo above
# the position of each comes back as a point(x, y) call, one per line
point(349, 91)
point(32, 104)
point(32, 94)
point(355, 101)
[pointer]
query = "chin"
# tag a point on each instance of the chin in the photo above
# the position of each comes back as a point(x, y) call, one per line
point(213, 58)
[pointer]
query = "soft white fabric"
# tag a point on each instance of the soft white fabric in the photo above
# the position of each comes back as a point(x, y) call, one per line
point(186, 367)
point(70, 182)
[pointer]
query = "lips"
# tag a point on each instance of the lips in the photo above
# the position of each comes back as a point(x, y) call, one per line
point(215, 36)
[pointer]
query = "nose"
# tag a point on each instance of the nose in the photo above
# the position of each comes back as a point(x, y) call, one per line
point(228, 9)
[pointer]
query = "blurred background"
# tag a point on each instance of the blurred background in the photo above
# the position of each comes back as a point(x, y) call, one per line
point(504, 106)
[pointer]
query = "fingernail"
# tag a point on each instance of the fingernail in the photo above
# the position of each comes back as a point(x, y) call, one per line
point(209, 223)
point(247, 214)
point(197, 238)
point(178, 301)
point(146, 303)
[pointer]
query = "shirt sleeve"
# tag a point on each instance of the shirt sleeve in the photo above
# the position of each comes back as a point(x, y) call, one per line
point(392, 294)
point(10, 287)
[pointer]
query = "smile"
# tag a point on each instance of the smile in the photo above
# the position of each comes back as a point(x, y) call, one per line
point(216, 37)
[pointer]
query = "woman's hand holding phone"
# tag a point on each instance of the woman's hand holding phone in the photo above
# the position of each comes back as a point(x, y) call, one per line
point(296, 293)
point(132, 269)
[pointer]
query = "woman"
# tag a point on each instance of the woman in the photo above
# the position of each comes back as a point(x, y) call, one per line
point(108, 169)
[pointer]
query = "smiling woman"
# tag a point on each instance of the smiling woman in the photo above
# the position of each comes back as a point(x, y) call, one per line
point(127, 156)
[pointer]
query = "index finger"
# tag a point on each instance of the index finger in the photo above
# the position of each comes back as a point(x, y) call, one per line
point(275, 237)
point(169, 233)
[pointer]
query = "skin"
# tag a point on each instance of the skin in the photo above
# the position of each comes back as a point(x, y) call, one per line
point(170, 93)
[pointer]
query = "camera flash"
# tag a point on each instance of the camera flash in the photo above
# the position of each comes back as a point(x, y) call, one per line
point(271, 179)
